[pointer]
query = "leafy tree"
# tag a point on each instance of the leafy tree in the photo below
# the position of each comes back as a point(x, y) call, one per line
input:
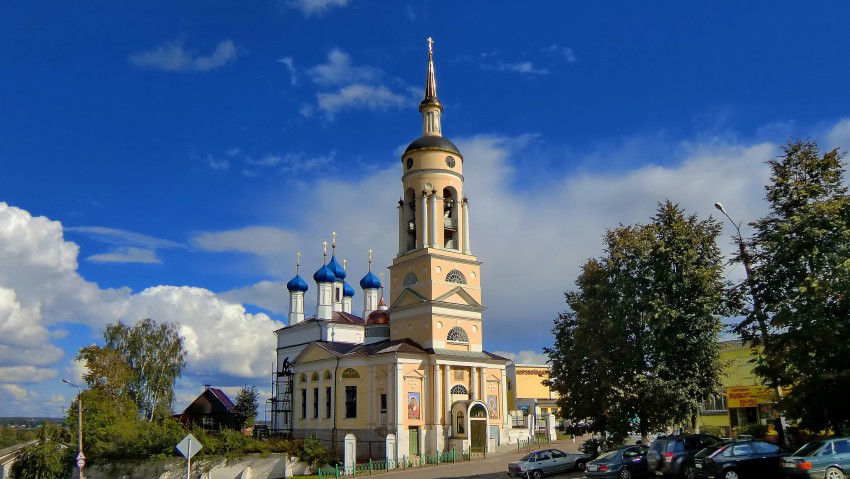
point(156, 354)
point(247, 402)
point(638, 346)
point(800, 254)
point(48, 458)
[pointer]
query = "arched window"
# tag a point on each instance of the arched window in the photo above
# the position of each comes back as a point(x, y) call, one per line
point(459, 389)
point(303, 378)
point(457, 335)
point(478, 412)
point(410, 279)
point(350, 373)
point(315, 376)
point(460, 422)
point(327, 374)
point(455, 276)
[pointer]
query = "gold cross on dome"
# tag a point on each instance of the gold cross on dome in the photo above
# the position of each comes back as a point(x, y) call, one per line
point(333, 235)
point(430, 45)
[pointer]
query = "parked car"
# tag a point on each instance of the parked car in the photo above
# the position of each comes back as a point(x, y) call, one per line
point(624, 462)
point(738, 459)
point(674, 455)
point(536, 464)
point(825, 458)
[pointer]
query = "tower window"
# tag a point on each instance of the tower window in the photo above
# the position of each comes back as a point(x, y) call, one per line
point(457, 335)
point(303, 378)
point(410, 280)
point(315, 376)
point(350, 373)
point(455, 276)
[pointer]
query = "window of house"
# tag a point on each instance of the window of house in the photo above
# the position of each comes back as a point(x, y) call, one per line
point(315, 402)
point(457, 335)
point(207, 421)
point(383, 403)
point(350, 373)
point(303, 403)
point(351, 401)
point(328, 401)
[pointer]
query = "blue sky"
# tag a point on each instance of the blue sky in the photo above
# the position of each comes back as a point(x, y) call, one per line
point(168, 159)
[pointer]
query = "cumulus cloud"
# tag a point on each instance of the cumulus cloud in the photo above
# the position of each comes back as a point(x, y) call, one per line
point(173, 57)
point(344, 85)
point(316, 7)
point(42, 294)
point(525, 357)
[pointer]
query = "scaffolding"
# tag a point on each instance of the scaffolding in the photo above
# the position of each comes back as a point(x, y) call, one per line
point(282, 401)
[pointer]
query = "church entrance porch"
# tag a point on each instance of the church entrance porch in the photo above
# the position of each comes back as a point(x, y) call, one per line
point(470, 427)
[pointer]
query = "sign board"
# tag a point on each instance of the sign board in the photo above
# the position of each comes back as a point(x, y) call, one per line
point(81, 460)
point(189, 446)
point(748, 396)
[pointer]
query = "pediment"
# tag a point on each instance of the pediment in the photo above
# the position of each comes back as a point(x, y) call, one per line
point(458, 295)
point(408, 297)
point(313, 352)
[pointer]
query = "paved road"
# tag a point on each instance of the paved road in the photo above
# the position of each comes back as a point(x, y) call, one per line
point(495, 466)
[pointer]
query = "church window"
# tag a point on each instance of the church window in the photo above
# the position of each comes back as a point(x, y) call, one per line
point(478, 411)
point(303, 404)
point(328, 401)
point(460, 422)
point(455, 276)
point(303, 378)
point(316, 403)
point(350, 373)
point(459, 389)
point(327, 374)
point(351, 401)
point(410, 280)
point(315, 376)
point(457, 335)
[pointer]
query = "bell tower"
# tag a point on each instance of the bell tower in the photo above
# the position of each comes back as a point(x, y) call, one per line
point(435, 282)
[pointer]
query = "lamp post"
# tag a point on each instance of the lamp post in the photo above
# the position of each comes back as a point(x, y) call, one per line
point(758, 311)
point(81, 458)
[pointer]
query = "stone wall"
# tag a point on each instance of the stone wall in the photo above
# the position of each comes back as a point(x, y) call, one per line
point(270, 466)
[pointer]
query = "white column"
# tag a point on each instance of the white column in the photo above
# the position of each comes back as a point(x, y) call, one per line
point(473, 379)
point(371, 388)
point(482, 377)
point(434, 224)
point(402, 228)
point(321, 398)
point(466, 248)
point(437, 407)
point(424, 220)
point(503, 394)
point(447, 400)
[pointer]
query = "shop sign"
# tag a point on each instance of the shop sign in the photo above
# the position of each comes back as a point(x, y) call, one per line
point(533, 372)
point(749, 396)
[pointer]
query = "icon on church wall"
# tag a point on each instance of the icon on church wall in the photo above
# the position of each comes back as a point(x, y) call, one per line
point(459, 374)
point(493, 407)
point(413, 405)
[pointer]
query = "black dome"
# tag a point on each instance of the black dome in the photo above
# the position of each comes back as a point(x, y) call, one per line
point(432, 143)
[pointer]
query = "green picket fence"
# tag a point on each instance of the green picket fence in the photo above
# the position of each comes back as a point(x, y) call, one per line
point(536, 442)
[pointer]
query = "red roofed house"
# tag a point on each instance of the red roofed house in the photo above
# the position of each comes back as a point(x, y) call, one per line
point(211, 410)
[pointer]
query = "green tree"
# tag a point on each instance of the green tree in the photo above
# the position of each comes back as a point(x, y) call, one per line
point(48, 458)
point(156, 355)
point(639, 343)
point(800, 254)
point(245, 407)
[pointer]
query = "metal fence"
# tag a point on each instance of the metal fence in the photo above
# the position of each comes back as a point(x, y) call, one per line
point(372, 466)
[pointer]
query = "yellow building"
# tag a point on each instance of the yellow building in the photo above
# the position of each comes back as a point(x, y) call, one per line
point(526, 391)
point(743, 400)
point(414, 372)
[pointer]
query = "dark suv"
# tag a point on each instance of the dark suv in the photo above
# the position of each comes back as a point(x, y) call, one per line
point(674, 455)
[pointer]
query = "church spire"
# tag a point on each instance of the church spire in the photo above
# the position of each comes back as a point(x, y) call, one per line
point(431, 106)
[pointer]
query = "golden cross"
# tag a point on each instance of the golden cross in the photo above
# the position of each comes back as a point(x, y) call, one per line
point(430, 45)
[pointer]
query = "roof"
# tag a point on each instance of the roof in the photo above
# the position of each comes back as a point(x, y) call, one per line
point(225, 401)
point(467, 354)
point(432, 142)
point(381, 347)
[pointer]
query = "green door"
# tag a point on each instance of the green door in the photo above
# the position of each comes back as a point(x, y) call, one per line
point(478, 434)
point(413, 434)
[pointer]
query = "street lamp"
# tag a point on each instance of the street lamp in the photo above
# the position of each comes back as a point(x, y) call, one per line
point(758, 311)
point(81, 458)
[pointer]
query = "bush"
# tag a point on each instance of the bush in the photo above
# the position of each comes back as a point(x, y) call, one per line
point(757, 431)
point(713, 430)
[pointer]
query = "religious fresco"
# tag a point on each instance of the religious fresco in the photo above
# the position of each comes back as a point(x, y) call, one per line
point(413, 406)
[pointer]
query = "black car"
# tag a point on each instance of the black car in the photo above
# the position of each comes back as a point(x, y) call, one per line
point(624, 462)
point(674, 455)
point(739, 459)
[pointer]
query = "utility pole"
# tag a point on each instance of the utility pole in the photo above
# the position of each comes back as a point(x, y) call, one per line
point(81, 458)
point(758, 311)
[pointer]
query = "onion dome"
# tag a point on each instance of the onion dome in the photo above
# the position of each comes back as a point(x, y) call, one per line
point(379, 316)
point(382, 305)
point(297, 284)
point(337, 269)
point(370, 281)
point(347, 290)
point(324, 275)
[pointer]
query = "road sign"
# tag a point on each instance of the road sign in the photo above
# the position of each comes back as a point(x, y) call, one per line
point(189, 446)
point(81, 460)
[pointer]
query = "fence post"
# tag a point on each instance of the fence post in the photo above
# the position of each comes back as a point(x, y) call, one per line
point(336, 471)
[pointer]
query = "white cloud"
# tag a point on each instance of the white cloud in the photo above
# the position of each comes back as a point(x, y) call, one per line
point(129, 246)
point(838, 136)
point(340, 71)
point(525, 357)
point(290, 65)
point(127, 255)
point(18, 393)
point(259, 240)
point(316, 7)
point(26, 374)
point(525, 68)
point(218, 165)
point(359, 95)
point(171, 56)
